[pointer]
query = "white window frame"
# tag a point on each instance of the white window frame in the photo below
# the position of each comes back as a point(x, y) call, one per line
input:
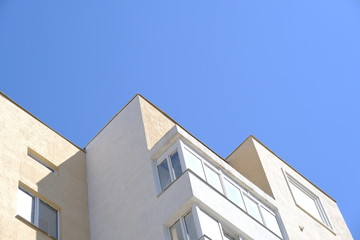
point(183, 224)
point(35, 212)
point(292, 182)
point(223, 177)
point(166, 157)
point(180, 146)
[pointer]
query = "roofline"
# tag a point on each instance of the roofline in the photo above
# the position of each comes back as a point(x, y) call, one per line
point(253, 137)
point(162, 112)
point(112, 119)
point(32, 115)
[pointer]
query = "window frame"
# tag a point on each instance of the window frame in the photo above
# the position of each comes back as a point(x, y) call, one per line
point(183, 227)
point(205, 161)
point(166, 156)
point(35, 218)
point(292, 182)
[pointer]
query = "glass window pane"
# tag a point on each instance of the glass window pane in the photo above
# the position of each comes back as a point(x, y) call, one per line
point(270, 221)
point(175, 162)
point(213, 178)
point(209, 226)
point(176, 232)
point(233, 193)
point(47, 219)
point(164, 174)
point(25, 206)
point(194, 163)
point(305, 201)
point(252, 208)
point(190, 227)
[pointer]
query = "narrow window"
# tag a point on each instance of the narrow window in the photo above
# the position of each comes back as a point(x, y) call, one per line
point(175, 163)
point(164, 174)
point(190, 227)
point(213, 178)
point(234, 194)
point(193, 163)
point(270, 221)
point(25, 207)
point(47, 219)
point(252, 208)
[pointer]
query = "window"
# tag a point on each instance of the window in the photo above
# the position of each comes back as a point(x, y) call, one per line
point(184, 228)
point(169, 169)
point(37, 212)
point(308, 201)
point(194, 163)
point(209, 226)
point(230, 189)
point(234, 194)
point(252, 208)
point(213, 178)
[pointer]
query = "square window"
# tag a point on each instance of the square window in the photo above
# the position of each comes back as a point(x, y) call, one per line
point(307, 201)
point(37, 212)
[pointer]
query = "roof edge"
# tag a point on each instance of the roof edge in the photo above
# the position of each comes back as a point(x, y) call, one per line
point(162, 112)
point(32, 115)
point(267, 148)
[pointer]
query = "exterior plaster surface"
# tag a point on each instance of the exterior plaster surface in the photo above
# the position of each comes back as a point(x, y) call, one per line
point(227, 212)
point(246, 161)
point(156, 125)
point(65, 189)
point(123, 196)
point(293, 216)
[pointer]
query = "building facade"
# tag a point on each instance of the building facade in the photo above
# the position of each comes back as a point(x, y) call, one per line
point(143, 176)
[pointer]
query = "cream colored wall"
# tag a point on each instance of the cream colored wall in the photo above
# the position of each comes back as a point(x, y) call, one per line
point(292, 216)
point(123, 197)
point(156, 125)
point(246, 161)
point(66, 189)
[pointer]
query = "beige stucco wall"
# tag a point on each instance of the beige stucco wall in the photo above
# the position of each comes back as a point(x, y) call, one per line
point(65, 189)
point(123, 201)
point(156, 125)
point(246, 161)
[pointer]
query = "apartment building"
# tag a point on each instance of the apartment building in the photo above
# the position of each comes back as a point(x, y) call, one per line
point(143, 176)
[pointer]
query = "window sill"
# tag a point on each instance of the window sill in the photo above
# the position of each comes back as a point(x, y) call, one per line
point(20, 218)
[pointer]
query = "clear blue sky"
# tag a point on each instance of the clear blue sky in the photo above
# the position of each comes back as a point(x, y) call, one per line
point(285, 71)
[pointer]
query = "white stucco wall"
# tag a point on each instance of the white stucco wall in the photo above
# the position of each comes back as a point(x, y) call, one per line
point(294, 217)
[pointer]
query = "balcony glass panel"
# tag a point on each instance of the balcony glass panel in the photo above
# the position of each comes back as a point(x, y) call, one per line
point(209, 226)
point(213, 178)
point(234, 194)
point(252, 208)
point(270, 221)
point(194, 163)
